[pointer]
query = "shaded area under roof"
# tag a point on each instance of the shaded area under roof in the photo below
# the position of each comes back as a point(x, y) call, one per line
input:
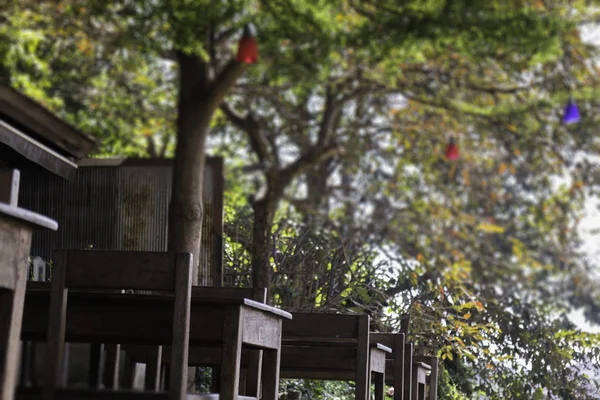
point(31, 132)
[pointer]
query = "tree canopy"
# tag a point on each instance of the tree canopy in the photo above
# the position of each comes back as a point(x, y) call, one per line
point(338, 192)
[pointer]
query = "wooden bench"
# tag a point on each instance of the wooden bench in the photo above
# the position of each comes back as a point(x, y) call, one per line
point(16, 229)
point(82, 281)
point(333, 347)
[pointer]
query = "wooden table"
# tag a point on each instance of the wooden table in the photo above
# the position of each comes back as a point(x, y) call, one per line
point(227, 323)
point(16, 228)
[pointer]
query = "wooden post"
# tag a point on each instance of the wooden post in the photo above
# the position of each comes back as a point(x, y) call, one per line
point(9, 186)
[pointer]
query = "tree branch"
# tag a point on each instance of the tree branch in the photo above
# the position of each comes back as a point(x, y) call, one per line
point(225, 80)
point(233, 117)
point(309, 159)
point(248, 124)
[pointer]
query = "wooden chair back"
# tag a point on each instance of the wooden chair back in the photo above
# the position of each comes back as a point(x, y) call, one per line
point(395, 362)
point(335, 341)
point(91, 269)
point(256, 294)
point(326, 327)
point(432, 379)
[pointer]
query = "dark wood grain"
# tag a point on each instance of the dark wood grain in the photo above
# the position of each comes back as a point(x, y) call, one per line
point(181, 326)
point(111, 366)
point(105, 270)
point(432, 381)
point(57, 314)
point(322, 326)
point(153, 368)
point(408, 355)
point(363, 377)
point(395, 362)
point(271, 371)
point(231, 356)
point(95, 314)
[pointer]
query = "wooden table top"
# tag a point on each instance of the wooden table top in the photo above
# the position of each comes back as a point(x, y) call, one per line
point(43, 289)
point(29, 217)
point(94, 317)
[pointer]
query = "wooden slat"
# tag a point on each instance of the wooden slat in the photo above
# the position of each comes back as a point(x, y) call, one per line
point(79, 394)
point(322, 326)
point(181, 326)
point(317, 358)
point(56, 326)
point(395, 365)
point(259, 331)
point(231, 356)
point(408, 355)
point(97, 269)
point(363, 377)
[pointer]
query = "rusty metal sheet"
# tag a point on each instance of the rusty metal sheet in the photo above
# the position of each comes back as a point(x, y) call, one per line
point(121, 205)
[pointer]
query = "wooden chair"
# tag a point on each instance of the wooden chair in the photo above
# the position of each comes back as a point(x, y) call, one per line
point(197, 356)
point(395, 373)
point(333, 347)
point(110, 270)
point(408, 373)
point(16, 228)
point(425, 385)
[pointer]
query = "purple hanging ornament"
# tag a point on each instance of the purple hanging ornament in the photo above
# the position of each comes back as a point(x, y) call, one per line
point(571, 115)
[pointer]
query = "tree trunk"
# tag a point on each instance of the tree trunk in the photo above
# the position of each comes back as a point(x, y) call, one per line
point(185, 209)
point(198, 100)
point(261, 267)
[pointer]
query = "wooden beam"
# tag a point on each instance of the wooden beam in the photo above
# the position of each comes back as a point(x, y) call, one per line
point(36, 118)
point(36, 151)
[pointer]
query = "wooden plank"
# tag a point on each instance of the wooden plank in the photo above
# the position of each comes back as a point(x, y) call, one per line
point(111, 366)
point(232, 349)
point(9, 186)
point(98, 269)
point(363, 377)
point(28, 217)
point(181, 326)
point(395, 365)
point(432, 383)
point(377, 360)
point(222, 292)
point(380, 386)
point(36, 152)
point(153, 369)
point(94, 365)
point(261, 329)
point(321, 325)
point(38, 119)
point(408, 355)
point(318, 358)
point(56, 326)
point(398, 373)
point(271, 368)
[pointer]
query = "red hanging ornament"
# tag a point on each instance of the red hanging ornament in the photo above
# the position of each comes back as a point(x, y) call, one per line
point(452, 150)
point(247, 47)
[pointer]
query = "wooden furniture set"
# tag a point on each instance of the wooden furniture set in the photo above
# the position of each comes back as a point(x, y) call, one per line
point(177, 325)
